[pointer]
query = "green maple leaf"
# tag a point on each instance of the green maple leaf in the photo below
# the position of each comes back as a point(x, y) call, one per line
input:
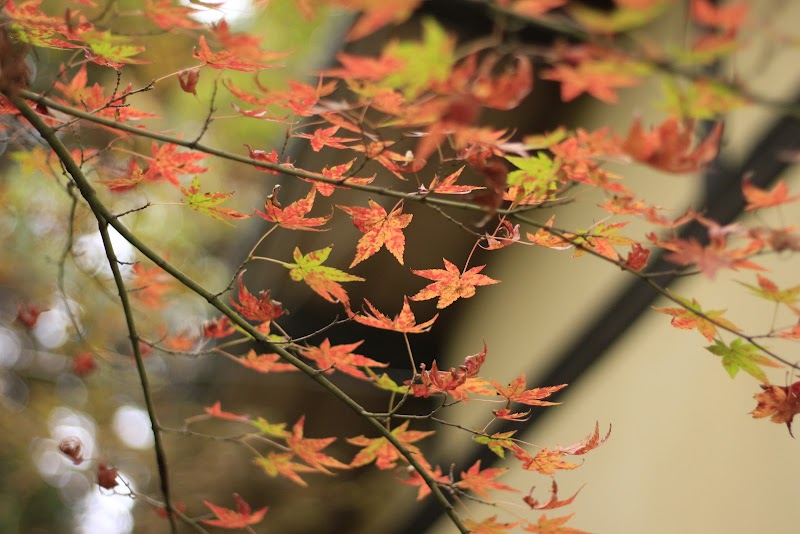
point(423, 62)
point(741, 356)
point(322, 279)
point(498, 442)
point(536, 175)
point(208, 203)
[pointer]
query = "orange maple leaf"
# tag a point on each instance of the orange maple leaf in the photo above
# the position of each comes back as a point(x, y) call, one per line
point(379, 229)
point(552, 526)
point(379, 13)
point(280, 463)
point(309, 449)
point(265, 363)
point(779, 403)
point(433, 381)
point(150, 285)
point(728, 17)
point(553, 502)
point(226, 59)
point(507, 90)
point(340, 358)
point(516, 392)
point(598, 78)
point(446, 186)
point(262, 308)
point(546, 462)
point(382, 452)
point(490, 525)
point(450, 284)
point(292, 217)
point(761, 198)
point(242, 517)
point(217, 411)
point(480, 482)
point(168, 163)
point(415, 479)
point(323, 137)
point(403, 322)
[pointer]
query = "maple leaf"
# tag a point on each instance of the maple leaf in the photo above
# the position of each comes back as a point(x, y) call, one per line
point(292, 217)
point(309, 449)
point(552, 526)
point(516, 392)
point(168, 163)
point(450, 284)
point(242, 517)
point(83, 364)
point(218, 328)
point(280, 463)
point(760, 198)
point(188, 79)
point(28, 314)
point(553, 502)
point(166, 15)
point(276, 430)
point(590, 442)
point(692, 316)
point(742, 356)
point(225, 59)
point(216, 411)
point(779, 403)
point(506, 91)
point(71, 447)
point(403, 322)
point(433, 381)
point(379, 13)
point(262, 308)
point(708, 258)
point(601, 239)
point(506, 414)
point(480, 482)
point(545, 238)
point(728, 17)
point(207, 203)
point(669, 146)
point(415, 479)
point(767, 289)
point(637, 257)
point(490, 525)
point(379, 229)
point(321, 279)
point(265, 363)
point(382, 452)
point(598, 78)
point(323, 137)
point(340, 358)
point(546, 462)
point(337, 172)
point(446, 186)
point(150, 285)
point(499, 442)
point(132, 178)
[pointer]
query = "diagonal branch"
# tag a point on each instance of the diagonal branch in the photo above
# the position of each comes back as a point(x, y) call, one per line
point(107, 218)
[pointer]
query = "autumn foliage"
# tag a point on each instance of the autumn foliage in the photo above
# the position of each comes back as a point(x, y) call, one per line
point(392, 133)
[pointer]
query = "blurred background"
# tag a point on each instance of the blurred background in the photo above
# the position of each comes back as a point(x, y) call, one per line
point(684, 455)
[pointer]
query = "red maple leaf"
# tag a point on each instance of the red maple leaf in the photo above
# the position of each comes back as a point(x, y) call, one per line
point(415, 479)
point(242, 517)
point(292, 217)
point(216, 411)
point(516, 392)
point(669, 146)
point(167, 163)
point(340, 358)
point(761, 198)
point(433, 381)
point(83, 364)
point(218, 327)
point(450, 284)
point(403, 322)
point(480, 482)
point(28, 314)
point(262, 308)
point(382, 452)
point(337, 172)
point(379, 229)
point(107, 476)
point(323, 137)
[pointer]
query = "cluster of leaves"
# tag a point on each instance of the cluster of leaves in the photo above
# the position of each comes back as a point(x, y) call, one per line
point(427, 90)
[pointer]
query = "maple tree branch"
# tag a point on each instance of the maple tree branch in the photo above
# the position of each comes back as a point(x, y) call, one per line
point(281, 168)
point(105, 215)
point(660, 289)
point(161, 459)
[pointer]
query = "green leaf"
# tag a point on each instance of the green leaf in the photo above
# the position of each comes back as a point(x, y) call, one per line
point(276, 430)
point(384, 382)
point(741, 356)
point(423, 62)
point(536, 175)
point(322, 279)
point(208, 203)
point(498, 442)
